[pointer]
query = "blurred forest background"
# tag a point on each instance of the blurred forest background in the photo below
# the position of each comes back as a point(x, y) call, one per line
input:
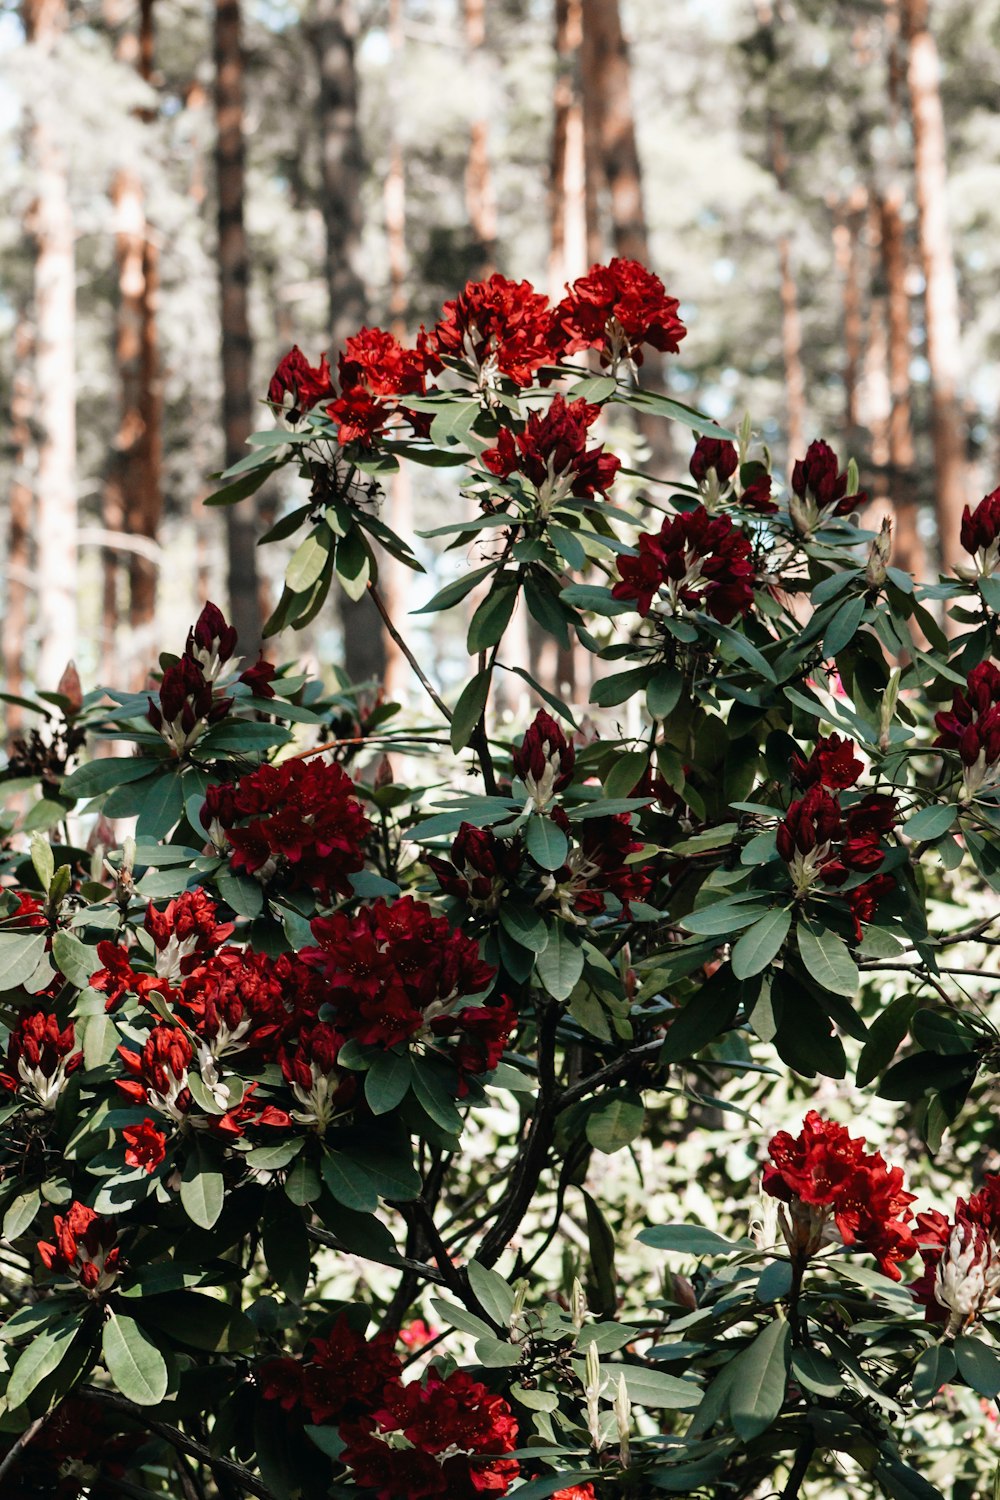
point(191, 190)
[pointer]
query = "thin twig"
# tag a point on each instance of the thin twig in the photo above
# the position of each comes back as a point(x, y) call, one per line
point(30, 1432)
point(423, 679)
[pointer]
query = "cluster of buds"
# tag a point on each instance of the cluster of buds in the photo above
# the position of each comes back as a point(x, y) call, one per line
point(544, 760)
point(961, 1275)
point(297, 386)
point(183, 933)
point(716, 470)
point(322, 1091)
point(301, 818)
point(341, 1377)
point(980, 536)
point(375, 371)
point(498, 328)
point(40, 1058)
point(480, 868)
point(695, 561)
point(820, 490)
point(551, 453)
point(159, 1073)
point(832, 1189)
point(596, 866)
point(972, 727)
point(145, 1146)
point(188, 701)
point(85, 1249)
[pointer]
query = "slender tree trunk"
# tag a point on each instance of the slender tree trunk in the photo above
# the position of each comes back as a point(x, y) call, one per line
point(568, 216)
point(237, 345)
point(608, 88)
point(791, 322)
point(333, 33)
point(908, 552)
point(50, 225)
point(847, 255)
point(480, 193)
point(941, 281)
point(395, 577)
point(20, 500)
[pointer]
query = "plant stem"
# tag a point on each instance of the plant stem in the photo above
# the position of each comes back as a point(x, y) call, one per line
point(424, 681)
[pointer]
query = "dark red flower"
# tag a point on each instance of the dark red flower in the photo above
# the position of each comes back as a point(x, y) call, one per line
point(234, 1001)
point(819, 489)
point(617, 308)
point(498, 327)
point(700, 560)
point(828, 1180)
point(160, 1072)
point(482, 1036)
point(145, 1146)
point(551, 451)
point(187, 705)
point(41, 1057)
point(961, 1274)
point(864, 899)
point(972, 727)
point(713, 463)
point(184, 933)
point(297, 386)
point(360, 415)
point(807, 830)
point(480, 867)
point(378, 362)
point(259, 677)
point(302, 817)
point(756, 496)
point(85, 1248)
point(832, 764)
point(544, 759)
point(309, 1063)
point(30, 912)
point(117, 978)
point(211, 642)
point(980, 535)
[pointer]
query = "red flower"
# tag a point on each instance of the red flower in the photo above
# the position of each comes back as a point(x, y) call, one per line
point(40, 1057)
point(258, 678)
point(863, 900)
point(394, 969)
point(480, 867)
point(184, 932)
point(323, 1090)
point(118, 977)
point(85, 1249)
point(160, 1072)
point(829, 1180)
point(345, 1375)
point(961, 1274)
point(235, 1001)
point(303, 817)
point(702, 561)
point(418, 1333)
point(596, 866)
point(145, 1145)
point(980, 535)
point(757, 496)
point(819, 490)
point(617, 308)
point(498, 327)
point(972, 727)
point(551, 451)
point(361, 416)
point(187, 705)
point(576, 1492)
point(483, 1034)
point(713, 464)
point(831, 764)
point(211, 642)
point(806, 833)
point(378, 362)
point(544, 759)
point(30, 912)
point(297, 386)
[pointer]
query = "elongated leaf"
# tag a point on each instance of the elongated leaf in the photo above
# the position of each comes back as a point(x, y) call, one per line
point(978, 1365)
point(134, 1362)
point(758, 1394)
point(44, 1354)
point(761, 944)
point(74, 959)
point(202, 1188)
point(930, 823)
point(656, 1389)
point(492, 1292)
point(935, 1367)
point(616, 1121)
point(843, 627)
point(827, 959)
point(308, 560)
point(689, 1239)
point(469, 710)
point(387, 1081)
point(546, 842)
point(20, 955)
point(348, 1182)
point(560, 963)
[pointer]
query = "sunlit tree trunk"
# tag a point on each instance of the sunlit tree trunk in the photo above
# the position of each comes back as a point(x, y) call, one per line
point(608, 94)
point(237, 345)
point(847, 255)
point(17, 593)
point(333, 33)
point(480, 192)
point(791, 322)
point(50, 226)
point(568, 186)
point(941, 282)
point(909, 552)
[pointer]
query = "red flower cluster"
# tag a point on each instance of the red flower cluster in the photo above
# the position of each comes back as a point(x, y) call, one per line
point(41, 1057)
point(398, 972)
point(832, 764)
point(972, 727)
point(309, 1065)
point(596, 866)
point(297, 386)
point(702, 561)
point(458, 1432)
point(498, 328)
point(830, 1182)
point(85, 1249)
point(961, 1274)
point(552, 453)
point(375, 369)
point(145, 1146)
point(341, 1377)
point(75, 1455)
point(980, 535)
point(480, 868)
point(617, 308)
point(160, 1072)
point(544, 759)
point(818, 843)
point(714, 464)
point(184, 932)
point(187, 700)
point(301, 817)
point(819, 490)
point(576, 1492)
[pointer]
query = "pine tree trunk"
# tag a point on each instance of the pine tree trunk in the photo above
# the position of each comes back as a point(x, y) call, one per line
point(908, 552)
point(480, 194)
point(50, 226)
point(941, 281)
point(19, 508)
point(847, 255)
point(237, 345)
point(333, 34)
point(394, 577)
point(571, 220)
point(791, 322)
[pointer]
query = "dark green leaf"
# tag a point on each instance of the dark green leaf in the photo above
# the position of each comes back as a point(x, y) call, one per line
point(134, 1362)
point(760, 944)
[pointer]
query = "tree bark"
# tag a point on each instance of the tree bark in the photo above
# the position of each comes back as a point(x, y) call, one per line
point(941, 282)
point(20, 503)
point(847, 255)
point(480, 193)
point(237, 344)
point(909, 552)
point(333, 34)
point(608, 93)
point(791, 322)
point(571, 225)
point(50, 226)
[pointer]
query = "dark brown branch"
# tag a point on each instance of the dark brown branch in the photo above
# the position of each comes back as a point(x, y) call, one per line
point(423, 679)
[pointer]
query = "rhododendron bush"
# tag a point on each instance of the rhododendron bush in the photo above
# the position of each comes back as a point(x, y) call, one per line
point(439, 1105)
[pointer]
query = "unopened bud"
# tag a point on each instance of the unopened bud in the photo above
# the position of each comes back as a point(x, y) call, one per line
point(578, 1304)
point(71, 689)
point(745, 435)
point(520, 1297)
point(623, 1416)
point(887, 708)
point(43, 860)
point(383, 773)
point(592, 1391)
point(878, 557)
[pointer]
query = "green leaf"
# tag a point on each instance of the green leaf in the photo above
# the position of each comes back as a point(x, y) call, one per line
point(162, 806)
point(758, 1393)
point(709, 1012)
point(827, 959)
point(609, 691)
point(884, 1037)
point(760, 944)
point(593, 388)
point(348, 1182)
point(101, 775)
point(930, 823)
point(42, 1356)
point(492, 1292)
point(493, 615)
point(435, 1094)
point(469, 709)
point(978, 1365)
point(656, 1389)
point(21, 1213)
point(690, 1239)
point(454, 593)
point(935, 1367)
point(560, 963)
point(663, 692)
point(134, 1362)
point(387, 1081)
point(546, 842)
point(198, 1320)
point(202, 1187)
point(616, 1121)
point(353, 564)
point(843, 627)
point(20, 955)
point(816, 1372)
point(74, 959)
point(722, 917)
point(247, 484)
point(308, 560)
